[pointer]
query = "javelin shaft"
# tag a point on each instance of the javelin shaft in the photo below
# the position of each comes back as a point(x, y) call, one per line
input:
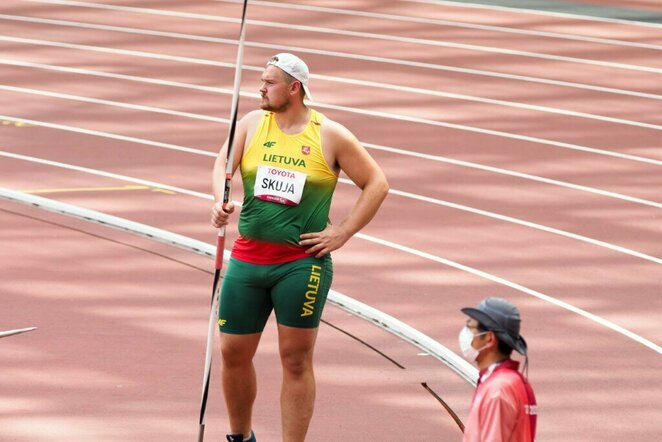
point(229, 163)
point(220, 241)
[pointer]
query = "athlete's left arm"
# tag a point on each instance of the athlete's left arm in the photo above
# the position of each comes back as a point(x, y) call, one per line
point(349, 156)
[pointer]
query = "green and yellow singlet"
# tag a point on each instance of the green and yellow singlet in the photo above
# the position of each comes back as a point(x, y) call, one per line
point(288, 188)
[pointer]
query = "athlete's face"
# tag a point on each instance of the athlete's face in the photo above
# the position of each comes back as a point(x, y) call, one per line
point(275, 90)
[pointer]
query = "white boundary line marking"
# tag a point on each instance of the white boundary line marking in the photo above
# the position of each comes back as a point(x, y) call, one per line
point(181, 59)
point(404, 194)
point(520, 222)
point(381, 16)
point(476, 6)
point(207, 249)
point(523, 10)
point(365, 83)
point(368, 145)
point(97, 133)
point(379, 114)
point(115, 176)
point(128, 52)
point(120, 104)
point(514, 174)
point(469, 47)
point(497, 102)
point(494, 132)
point(125, 77)
point(357, 308)
point(515, 286)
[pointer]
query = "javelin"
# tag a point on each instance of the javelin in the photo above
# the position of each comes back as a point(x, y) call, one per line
point(220, 241)
point(4, 334)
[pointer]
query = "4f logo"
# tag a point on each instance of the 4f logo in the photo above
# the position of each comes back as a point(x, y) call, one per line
point(269, 144)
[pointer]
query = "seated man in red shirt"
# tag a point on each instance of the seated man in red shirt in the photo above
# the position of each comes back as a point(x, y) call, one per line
point(504, 406)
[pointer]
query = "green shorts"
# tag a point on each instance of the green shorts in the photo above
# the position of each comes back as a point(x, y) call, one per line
point(295, 290)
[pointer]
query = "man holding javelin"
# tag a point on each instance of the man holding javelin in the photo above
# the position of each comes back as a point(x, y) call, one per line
point(504, 406)
point(290, 156)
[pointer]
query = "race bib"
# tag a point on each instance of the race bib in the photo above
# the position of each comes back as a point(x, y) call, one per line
point(279, 185)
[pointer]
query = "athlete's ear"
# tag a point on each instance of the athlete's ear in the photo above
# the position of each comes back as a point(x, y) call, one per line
point(296, 88)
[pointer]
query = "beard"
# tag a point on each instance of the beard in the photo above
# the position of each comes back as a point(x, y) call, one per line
point(270, 107)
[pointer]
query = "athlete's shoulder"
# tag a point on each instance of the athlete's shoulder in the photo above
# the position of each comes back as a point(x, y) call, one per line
point(334, 132)
point(251, 121)
point(254, 116)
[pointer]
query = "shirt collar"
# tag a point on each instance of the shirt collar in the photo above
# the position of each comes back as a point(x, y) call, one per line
point(506, 363)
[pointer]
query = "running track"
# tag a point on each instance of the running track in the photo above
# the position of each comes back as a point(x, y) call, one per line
point(523, 151)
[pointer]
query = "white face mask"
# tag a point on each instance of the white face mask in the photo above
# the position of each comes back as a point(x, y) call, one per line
point(465, 339)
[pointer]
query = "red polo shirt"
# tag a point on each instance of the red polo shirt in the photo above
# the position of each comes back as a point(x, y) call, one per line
point(503, 408)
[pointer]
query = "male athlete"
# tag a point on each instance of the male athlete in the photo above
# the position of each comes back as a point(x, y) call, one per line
point(290, 156)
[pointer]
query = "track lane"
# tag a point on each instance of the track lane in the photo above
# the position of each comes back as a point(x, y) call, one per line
point(423, 282)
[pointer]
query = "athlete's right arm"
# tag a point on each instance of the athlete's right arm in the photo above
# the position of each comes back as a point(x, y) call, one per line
point(244, 126)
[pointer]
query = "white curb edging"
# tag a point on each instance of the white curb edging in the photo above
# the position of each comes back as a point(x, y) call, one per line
point(382, 320)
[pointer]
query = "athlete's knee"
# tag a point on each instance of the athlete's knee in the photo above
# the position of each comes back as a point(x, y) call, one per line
point(238, 350)
point(296, 366)
point(296, 361)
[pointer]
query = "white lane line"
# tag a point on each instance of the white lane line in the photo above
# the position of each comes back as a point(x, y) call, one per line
point(120, 104)
point(124, 29)
point(386, 148)
point(523, 10)
point(97, 133)
point(379, 114)
point(125, 77)
point(469, 47)
point(371, 84)
point(497, 133)
point(105, 174)
point(181, 59)
point(389, 60)
point(520, 222)
point(505, 103)
point(513, 174)
point(423, 65)
point(353, 12)
point(279, 25)
point(404, 194)
point(368, 145)
point(129, 52)
point(487, 276)
point(515, 286)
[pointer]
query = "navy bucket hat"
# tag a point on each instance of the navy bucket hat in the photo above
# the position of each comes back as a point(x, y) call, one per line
point(501, 317)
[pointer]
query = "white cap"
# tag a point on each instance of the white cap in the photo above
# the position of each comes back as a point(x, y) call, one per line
point(294, 66)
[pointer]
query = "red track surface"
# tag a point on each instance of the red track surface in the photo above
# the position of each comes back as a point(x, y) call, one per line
point(119, 352)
